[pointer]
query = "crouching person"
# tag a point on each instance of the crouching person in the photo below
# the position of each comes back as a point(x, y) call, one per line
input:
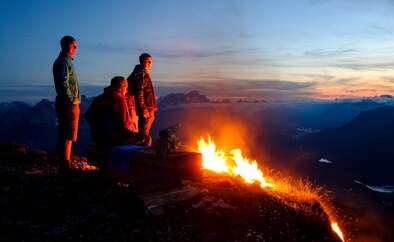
point(112, 117)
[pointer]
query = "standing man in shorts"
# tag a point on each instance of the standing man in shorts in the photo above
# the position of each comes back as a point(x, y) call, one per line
point(67, 99)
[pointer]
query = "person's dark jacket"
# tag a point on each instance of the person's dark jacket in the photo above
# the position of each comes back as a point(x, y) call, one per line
point(65, 78)
point(110, 119)
point(140, 85)
point(100, 116)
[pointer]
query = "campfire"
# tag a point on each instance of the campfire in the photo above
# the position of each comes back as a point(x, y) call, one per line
point(234, 164)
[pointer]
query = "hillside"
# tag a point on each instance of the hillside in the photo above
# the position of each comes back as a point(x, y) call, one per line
point(40, 205)
point(363, 145)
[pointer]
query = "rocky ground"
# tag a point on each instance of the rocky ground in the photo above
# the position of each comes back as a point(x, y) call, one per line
point(38, 204)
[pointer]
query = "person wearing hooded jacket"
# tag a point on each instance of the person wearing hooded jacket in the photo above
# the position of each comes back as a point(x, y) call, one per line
point(141, 87)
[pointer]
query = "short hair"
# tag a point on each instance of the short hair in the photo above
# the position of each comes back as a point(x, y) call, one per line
point(116, 81)
point(143, 57)
point(66, 41)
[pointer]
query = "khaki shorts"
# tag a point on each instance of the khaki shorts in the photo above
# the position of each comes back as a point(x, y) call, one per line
point(68, 119)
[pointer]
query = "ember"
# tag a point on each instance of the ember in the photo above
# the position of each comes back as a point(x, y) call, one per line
point(336, 229)
point(82, 165)
point(235, 164)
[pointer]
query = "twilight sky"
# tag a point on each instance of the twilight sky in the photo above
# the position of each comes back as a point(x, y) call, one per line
point(319, 49)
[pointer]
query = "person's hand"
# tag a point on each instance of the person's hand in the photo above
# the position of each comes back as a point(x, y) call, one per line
point(146, 114)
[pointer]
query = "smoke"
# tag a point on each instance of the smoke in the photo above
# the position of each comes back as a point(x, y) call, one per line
point(229, 125)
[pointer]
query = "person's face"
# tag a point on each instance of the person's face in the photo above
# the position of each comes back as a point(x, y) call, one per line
point(72, 49)
point(123, 87)
point(147, 64)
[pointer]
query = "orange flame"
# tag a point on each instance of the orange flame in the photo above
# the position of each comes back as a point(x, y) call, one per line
point(336, 229)
point(235, 164)
point(213, 159)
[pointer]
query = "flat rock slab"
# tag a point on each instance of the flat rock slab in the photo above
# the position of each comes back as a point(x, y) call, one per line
point(185, 165)
point(150, 172)
point(169, 197)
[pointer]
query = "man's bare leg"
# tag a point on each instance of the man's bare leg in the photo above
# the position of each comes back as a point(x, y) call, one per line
point(67, 152)
point(145, 124)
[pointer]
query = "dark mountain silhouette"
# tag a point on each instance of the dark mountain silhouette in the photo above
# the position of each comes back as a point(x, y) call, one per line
point(371, 129)
point(12, 113)
point(43, 113)
point(36, 126)
point(183, 98)
point(373, 120)
point(314, 114)
point(288, 132)
point(365, 133)
point(386, 96)
point(364, 145)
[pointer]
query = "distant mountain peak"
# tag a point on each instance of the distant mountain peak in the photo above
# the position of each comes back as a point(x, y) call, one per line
point(44, 103)
point(373, 119)
point(43, 113)
point(183, 98)
point(382, 99)
point(386, 96)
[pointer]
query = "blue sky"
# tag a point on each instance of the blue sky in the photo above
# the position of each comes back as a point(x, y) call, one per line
point(263, 49)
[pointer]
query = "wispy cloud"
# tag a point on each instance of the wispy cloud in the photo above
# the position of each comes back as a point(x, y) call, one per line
point(194, 53)
point(335, 87)
point(170, 53)
point(366, 66)
point(240, 88)
point(114, 49)
point(201, 53)
point(389, 79)
point(321, 53)
point(378, 29)
point(345, 81)
point(354, 87)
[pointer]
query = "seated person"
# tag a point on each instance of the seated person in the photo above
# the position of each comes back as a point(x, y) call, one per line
point(112, 117)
